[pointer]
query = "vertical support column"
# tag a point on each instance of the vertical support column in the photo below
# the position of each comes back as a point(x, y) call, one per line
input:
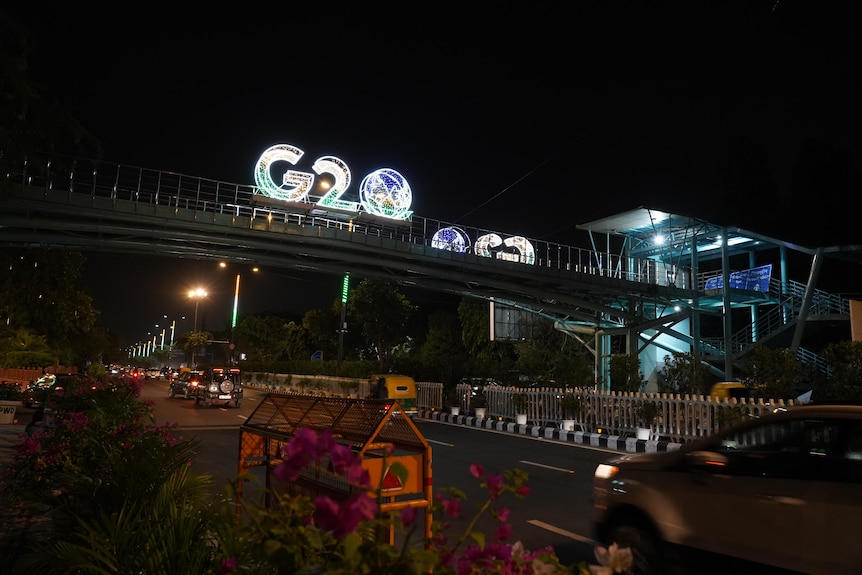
point(816, 264)
point(726, 309)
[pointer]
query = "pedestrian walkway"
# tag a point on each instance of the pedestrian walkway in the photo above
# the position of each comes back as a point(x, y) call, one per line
point(628, 444)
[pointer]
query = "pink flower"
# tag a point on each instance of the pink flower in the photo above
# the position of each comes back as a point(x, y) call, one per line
point(361, 507)
point(495, 485)
point(325, 443)
point(451, 507)
point(228, 565)
point(359, 476)
point(503, 514)
point(477, 470)
point(298, 453)
point(341, 457)
point(523, 490)
point(343, 519)
point(303, 444)
point(504, 531)
point(326, 513)
point(408, 516)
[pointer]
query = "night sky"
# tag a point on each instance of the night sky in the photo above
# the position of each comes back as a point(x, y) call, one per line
point(527, 118)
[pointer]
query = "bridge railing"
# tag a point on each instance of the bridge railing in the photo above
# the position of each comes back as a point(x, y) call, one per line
point(129, 183)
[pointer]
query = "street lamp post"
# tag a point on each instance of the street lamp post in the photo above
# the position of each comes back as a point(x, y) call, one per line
point(235, 312)
point(196, 294)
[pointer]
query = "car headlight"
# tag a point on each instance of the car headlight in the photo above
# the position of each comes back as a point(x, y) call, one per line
point(605, 471)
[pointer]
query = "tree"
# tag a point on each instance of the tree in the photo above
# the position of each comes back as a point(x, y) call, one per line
point(295, 344)
point(263, 338)
point(683, 372)
point(552, 357)
point(43, 290)
point(25, 349)
point(321, 327)
point(845, 381)
point(192, 342)
point(490, 359)
point(443, 354)
point(625, 372)
point(383, 313)
point(775, 373)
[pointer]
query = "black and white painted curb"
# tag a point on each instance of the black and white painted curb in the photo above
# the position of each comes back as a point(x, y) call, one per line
point(628, 444)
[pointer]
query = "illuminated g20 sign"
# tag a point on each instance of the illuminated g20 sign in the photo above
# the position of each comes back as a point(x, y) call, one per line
point(383, 192)
point(515, 249)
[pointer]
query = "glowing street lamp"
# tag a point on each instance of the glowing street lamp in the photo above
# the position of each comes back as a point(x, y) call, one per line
point(197, 294)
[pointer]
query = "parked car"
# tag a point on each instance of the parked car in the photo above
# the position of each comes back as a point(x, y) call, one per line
point(221, 385)
point(186, 384)
point(780, 491)
point(36, 392)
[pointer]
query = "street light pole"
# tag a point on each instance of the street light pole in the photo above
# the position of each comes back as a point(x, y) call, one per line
point(235, 312)
point(196, 294)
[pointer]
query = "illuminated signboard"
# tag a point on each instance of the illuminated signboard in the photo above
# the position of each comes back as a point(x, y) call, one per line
point(755, 279)
point(383, 193)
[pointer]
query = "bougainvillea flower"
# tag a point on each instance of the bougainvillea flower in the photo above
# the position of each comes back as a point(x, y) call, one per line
point(477, 470)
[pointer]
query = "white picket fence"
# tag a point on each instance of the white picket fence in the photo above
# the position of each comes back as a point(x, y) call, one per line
point(680, 418)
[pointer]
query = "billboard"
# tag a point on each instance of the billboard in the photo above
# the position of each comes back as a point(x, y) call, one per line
point(754, 279)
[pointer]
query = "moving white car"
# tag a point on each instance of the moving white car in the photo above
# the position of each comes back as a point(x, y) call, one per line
point(780, 491)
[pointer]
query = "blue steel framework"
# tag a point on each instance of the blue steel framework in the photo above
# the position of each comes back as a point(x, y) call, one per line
point(626, 287)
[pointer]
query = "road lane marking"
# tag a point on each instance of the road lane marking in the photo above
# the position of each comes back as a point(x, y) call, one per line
point(533, 463)
point(440, 443)
point(559, 531)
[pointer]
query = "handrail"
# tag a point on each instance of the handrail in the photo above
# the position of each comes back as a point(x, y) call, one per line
point(162, 188)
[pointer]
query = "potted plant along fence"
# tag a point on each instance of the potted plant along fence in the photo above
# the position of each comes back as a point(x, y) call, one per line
point(519, 402)
point(571, 405)
point(480, 404)
point(646, 413)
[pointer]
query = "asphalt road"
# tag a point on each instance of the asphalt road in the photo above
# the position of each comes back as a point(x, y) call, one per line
point(555, 513)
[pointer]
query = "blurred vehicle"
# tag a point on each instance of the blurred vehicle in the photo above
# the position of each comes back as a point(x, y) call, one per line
point(136, 373)
point(783, 490)
point(154, 373)
point(478, 384)
point(36, 392)
point(726, 389)
point(220, 385)
point(186, 384)
point(401, 388)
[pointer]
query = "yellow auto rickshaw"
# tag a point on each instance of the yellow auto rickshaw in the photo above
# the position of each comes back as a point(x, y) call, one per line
point(401, 388)
point(730, 389)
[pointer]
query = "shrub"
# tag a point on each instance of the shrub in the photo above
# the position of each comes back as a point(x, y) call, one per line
point(10, 391)
point(138, 509)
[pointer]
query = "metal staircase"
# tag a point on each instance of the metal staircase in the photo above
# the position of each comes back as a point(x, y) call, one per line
point(781, 319)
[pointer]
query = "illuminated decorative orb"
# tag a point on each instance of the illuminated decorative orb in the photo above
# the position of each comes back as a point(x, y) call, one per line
point(386, 193)
point(452, 239)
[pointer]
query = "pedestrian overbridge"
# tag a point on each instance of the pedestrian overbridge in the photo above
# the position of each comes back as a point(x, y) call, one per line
point(626, 287)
